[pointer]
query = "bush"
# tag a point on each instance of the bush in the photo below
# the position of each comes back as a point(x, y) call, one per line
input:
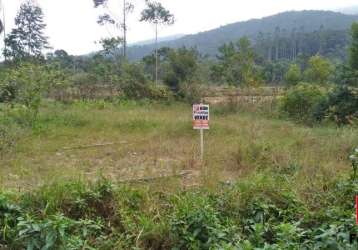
point(293, 75)
point(195, 223)
point(300, 101)
point(159, 92)
point(8, 138)
point(346, 75)
point(354, 160)
point(341, 106)
point(181, 66)
point(82, 78)
point(132, 89)
point(190, 92)
point(56, 232)
point(319, 69)
point(26, 84)
point(134, 84)
point(7, 92)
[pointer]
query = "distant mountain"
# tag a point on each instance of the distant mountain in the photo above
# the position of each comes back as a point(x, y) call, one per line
point(208, 42)
point(351, 10)
point(160, 39)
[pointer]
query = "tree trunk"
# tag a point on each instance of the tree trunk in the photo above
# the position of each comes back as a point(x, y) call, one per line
point(276, 52)
point(124, 29)
point(269, 54)
point(4, 31)
point(156, 53)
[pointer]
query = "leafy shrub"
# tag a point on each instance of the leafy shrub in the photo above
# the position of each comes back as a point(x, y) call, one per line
point(7, 92)
point(136, 90)
point(8, 215)
point(26, 84)
point(133, 84)
point(319, 70)
point(132, 89)
point(7, 140)
point(82, 78)
point(55, 232)
point(190, 92)
point(293, 75)
point(344, 74)
point(159, 92)
point(75, 200)
point(195, 223)
point(10, 133)
point(181, 65)
point(300, 101)
point(341, 106)
point(354, 160)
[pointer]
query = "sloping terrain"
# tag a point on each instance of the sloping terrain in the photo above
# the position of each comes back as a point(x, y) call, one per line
point(208, 42)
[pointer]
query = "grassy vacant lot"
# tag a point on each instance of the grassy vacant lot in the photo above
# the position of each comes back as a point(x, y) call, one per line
point(151, 140)
point(264, 180)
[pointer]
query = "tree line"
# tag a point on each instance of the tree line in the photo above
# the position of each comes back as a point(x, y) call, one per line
point(289, 45)
point(267, 58)
point(27, 74)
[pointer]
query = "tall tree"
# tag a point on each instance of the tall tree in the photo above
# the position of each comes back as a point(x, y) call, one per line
point(156, 14)
point(110, 18)
point(236, 64)
point(319, 69)
point(111, 45)
point(1, 26)
point(2, 22)
point(293, 75)
point(181, 68)
point(353, 53)
point(27, 39)
point(246, 62)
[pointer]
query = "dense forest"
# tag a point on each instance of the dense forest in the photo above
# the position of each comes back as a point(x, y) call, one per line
point(323, 30)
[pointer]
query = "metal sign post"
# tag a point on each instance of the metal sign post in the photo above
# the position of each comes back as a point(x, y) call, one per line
point(201, 118)
point(201, 144)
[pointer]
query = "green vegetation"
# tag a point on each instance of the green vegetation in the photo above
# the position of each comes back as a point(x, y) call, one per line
point(259, 212)
point(98, 152)
point(27, 38)
point(319, 70)
point(285, 36)
point(147, 137)
point(110, 17)
point(156, 14)
point(301, 101)
point(266, 193)
point(353, 55)
point(293, 75)
point(237, 64)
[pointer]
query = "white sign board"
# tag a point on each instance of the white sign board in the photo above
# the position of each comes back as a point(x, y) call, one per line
point(201, 116)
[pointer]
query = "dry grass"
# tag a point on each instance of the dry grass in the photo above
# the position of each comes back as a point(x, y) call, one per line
point(154, 140)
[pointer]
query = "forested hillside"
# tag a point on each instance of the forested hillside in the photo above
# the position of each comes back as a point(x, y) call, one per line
point(282, 35)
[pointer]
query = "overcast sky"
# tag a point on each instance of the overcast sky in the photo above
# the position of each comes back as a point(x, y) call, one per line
point(71, 24)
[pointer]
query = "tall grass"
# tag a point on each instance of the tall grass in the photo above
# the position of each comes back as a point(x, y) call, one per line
point(127, 175)
point(152, 139)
